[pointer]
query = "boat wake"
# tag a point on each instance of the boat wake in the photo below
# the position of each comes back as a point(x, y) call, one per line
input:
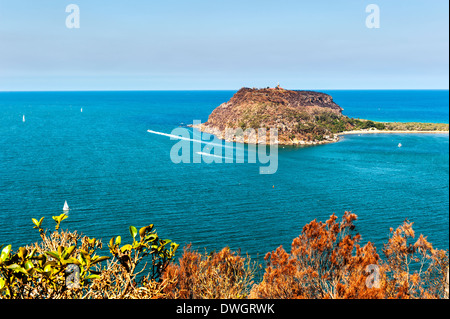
point(212, 155)
point(189, 139)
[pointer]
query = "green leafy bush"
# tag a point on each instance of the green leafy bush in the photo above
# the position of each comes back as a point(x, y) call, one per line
point(66, 265)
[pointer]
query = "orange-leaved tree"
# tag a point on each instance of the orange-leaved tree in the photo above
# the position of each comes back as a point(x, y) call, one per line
point(222, 275)
point(325, 261)
point(414, 269)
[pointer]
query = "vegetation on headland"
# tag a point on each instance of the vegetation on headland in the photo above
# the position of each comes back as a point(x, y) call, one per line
point(325, 261)
point(416, 126)
point(300, 117)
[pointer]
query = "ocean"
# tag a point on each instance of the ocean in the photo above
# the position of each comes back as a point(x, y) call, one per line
point(113, 173)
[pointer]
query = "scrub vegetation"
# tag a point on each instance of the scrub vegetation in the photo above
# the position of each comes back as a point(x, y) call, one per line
point(326, 261)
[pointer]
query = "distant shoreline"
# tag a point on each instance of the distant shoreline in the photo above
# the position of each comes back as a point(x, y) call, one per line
point(390, 132)
point(334, 139)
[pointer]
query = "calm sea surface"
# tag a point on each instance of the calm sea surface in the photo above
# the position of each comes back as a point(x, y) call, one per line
point(113, 173)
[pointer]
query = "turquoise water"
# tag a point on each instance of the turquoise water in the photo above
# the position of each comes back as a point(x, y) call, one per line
point(394, 105)
point(113, 173)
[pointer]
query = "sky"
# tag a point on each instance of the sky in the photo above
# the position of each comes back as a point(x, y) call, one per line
point(223, 45)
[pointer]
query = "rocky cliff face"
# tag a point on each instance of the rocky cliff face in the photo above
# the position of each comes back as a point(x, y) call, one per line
point(300, 117)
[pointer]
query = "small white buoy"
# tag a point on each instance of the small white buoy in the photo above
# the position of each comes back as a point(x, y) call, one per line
point(399, 144)
point(81, 110)
point(23, 118)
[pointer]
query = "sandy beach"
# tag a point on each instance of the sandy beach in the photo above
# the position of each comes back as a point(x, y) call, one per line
point(390, 132)
point(332, 139)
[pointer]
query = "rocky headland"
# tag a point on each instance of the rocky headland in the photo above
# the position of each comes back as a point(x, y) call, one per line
point(300, 118)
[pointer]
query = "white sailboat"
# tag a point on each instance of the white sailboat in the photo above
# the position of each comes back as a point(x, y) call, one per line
point(81, 110)
point(23, 118)
point(66, 207)
point(399, 144)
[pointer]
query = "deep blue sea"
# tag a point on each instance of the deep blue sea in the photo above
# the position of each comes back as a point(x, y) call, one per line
point(113, 173)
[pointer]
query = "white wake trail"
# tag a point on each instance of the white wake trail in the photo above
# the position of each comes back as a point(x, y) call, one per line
point(212, 155)
point(189, 139)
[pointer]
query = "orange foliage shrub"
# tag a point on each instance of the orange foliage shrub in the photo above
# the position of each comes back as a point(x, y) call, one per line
point(326, 261)
point(416, 270)
point(222, 275)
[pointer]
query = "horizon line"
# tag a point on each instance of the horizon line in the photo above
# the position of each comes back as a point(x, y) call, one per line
point(181, 90)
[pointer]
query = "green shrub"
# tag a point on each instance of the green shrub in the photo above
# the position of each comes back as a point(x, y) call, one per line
point(66, 265)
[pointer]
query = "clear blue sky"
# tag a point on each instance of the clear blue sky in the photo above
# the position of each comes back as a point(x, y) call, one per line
point(218, 44)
